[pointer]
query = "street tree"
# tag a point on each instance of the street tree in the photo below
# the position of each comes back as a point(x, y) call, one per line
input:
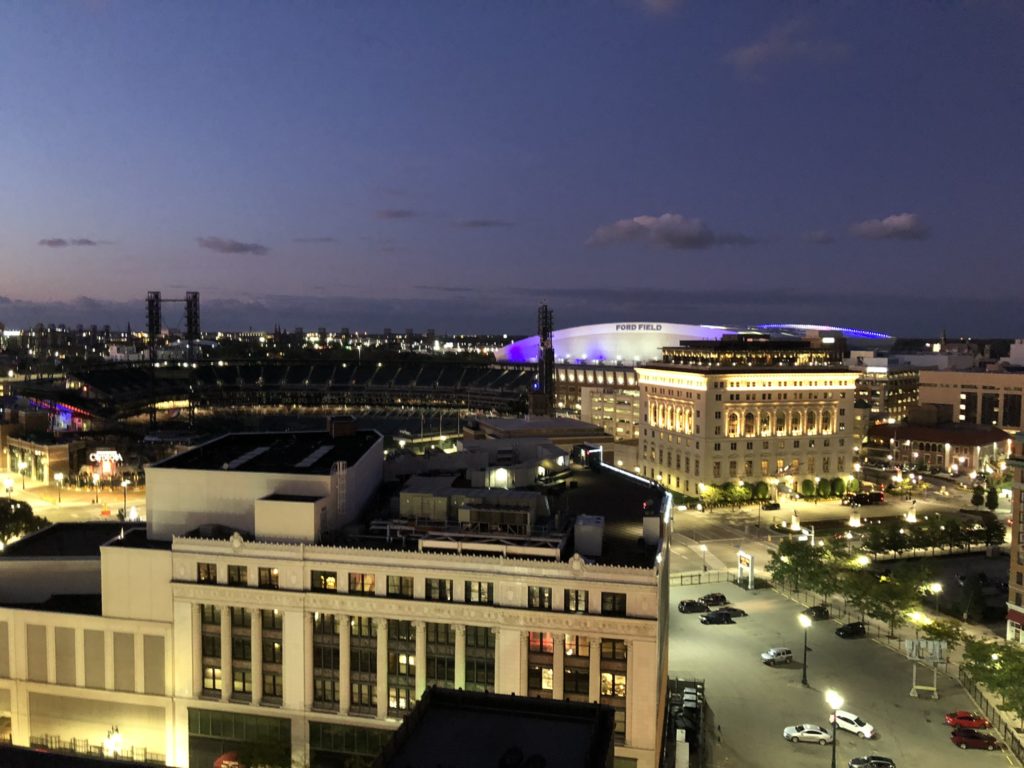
point(949, 631)
point(998, 664)
point(978, 495)
point(838, 486)
point(857, 587)
point(991, 499)
point(807, 488)
point(760, 490)
point(17, 519)
point(824, 488)
point(895, 595)
point(994, 530)
point(935, 527)
point(794, 562)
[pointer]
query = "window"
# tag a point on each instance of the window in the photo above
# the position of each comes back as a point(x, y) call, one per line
point(271, 620)
point(480, 592)
point(211, 679)
point(613, 684)
point(211, 646)
point(576, 600)
point(241, 681)
point(268, 578)
point(541, 642)
point(238, 575)
point(206, 573)
point(439, 590)
point(272, 685)
point(400, 586)
point(362, 583)
point(363, 626)
point(716, 469)
point(241, 617)
point(578, 646)
point(400, 698)
point(241, 648)
point(576, 681)
point(613, 650)
point(271, 651)
point(540, 598)
point(613, 603)
point(209, 614)
point(540, 678)
point(324, 581)
point(364, 695)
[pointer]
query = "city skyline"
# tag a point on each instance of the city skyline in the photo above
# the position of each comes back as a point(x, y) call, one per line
point(452, 166)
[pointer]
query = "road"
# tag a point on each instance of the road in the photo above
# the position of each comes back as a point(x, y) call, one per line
point(76, 505)
point(753, 703)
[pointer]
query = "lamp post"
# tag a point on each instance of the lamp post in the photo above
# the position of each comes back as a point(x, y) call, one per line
point(58, 477)
point(805, 622)
point(704, 556)
point(124, 487)
point(834, 701)
point(96, 487)
point(936, 589)
point(22, 466)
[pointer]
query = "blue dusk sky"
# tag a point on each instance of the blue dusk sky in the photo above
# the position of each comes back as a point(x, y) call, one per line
point(451, 164)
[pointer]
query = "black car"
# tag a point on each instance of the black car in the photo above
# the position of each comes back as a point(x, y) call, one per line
point(716, 617)
point(872, 761)
point(853, 629)
point(692, 606)
point(714, 598)
point(732, 610)
point(817, 612)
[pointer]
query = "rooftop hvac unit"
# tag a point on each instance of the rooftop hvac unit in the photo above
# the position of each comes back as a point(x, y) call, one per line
point(589, 534)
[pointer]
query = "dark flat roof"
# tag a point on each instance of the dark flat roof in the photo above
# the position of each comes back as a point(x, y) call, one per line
point(309, 453)
point(954, 434)
point(462, 729)
point(70, 539)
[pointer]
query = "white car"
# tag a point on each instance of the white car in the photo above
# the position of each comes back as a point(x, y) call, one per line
point(807, 732)
point(850, 722)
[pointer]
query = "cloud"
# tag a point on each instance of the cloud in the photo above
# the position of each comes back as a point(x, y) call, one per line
point(395, 213)
point(818, 236)
point(222, 245)
point(791, 41)
point(313, 240)
point(670, 230)
point(482, 223)
point(898, 226)
point(60, 242)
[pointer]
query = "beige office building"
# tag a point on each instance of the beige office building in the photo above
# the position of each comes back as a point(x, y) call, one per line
point(976, 397)
point(719, 416)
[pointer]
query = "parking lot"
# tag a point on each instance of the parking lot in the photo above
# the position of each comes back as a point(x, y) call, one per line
point(752, 702)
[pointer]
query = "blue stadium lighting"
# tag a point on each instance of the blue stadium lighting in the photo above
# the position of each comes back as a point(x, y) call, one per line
point(850, 332)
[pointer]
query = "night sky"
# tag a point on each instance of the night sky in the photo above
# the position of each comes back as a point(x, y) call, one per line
point(453, 164)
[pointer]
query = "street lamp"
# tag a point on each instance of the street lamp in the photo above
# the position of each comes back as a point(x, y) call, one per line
point(805, 622)
point(834, 701)
point(96, 487)
point(936, 589)
point(124, 487)
point(22, 466)
point(58, 477)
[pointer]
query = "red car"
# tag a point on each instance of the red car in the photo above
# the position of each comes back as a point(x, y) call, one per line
point(965, 719)
point(965, 738)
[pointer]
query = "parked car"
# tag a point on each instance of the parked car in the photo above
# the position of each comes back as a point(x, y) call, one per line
point(850, 722)
point(807, 732)
point(967, 738)
point(817, 612)
point(714, 598)
point(770, 506)
point(692, 606)
point(853, 629)
point(732, 610)
point(716, 618)
point(871, 761)
point(774, 656)
point(964, 719)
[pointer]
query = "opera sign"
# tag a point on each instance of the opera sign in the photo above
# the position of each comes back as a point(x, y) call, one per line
point(107, 461)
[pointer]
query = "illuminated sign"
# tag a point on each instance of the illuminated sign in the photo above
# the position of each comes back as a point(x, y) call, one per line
point(98, 457)
point(638, 326)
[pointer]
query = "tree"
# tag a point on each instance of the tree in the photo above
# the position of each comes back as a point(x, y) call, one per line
point(794, 561)
point(854, 485)
point(978, 495)
point(16, 520)
point(838, 486)
point(857, 587)
point(824, 488)
point(949, 631)
point(875, 539)
point(895, 538)
point(994, 530)
point(934, 525)
point(896, 595)
point(954, 534)
point(760, 490)
point(1000, 666)
point(807, 487)
point(991, 499)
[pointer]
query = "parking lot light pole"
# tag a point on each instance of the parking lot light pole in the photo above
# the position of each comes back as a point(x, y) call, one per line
point(805, 622)
point(58, 477)
point(834, 701)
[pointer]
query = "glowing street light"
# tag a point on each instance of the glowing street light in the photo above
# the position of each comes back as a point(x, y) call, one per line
point(124, 487)
point(805, 622)
point(835, 702)
point(58, 478)
point(936, 589)
point(22, 466)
